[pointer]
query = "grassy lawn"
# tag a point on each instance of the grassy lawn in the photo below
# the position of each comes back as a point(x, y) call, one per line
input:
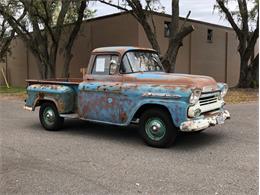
point(236, 95)
point(12, 92)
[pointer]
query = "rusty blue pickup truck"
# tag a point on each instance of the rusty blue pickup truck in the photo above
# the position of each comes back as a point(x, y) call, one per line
point(124, 85)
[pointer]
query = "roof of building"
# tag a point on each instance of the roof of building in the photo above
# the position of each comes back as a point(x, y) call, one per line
point(164, 15)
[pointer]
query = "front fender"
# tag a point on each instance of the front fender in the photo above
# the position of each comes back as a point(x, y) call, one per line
point(177, 109)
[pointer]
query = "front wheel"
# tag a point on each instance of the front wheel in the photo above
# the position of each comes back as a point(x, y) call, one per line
point(49, 117)
point(157, 128)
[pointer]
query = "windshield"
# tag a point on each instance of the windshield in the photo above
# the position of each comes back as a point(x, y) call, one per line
point(141, 61)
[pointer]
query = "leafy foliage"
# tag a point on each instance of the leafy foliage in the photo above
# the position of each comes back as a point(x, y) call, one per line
point(40, 24)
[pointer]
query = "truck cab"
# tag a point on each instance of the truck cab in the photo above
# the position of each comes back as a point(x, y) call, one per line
point(125, 85)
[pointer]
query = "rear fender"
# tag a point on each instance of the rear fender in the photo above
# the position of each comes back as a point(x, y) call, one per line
point(62, 96)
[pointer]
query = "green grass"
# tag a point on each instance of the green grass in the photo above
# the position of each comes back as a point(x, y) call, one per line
point(12, 90)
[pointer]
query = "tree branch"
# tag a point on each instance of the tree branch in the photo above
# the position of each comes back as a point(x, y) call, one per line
point(229, 17)
point(72, 37)
point(244, 14)
point(252, 42)
point(15, 24)
point(113, 5)
point(184, 32)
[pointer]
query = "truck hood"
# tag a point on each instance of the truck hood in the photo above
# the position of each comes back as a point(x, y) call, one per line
point(205, 83)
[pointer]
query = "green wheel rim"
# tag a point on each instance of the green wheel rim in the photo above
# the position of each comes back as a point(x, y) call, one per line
point(155, 129)
point(49, 116)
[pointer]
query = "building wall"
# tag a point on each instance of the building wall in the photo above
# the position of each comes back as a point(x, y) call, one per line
point(218, 58)
point(16, 63)
point(182, 64)
point(233, 60)
point(109, 31)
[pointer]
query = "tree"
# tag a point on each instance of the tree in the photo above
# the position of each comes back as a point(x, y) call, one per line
point(144, 15)
point(7, 33)
point(6, 37)
point(245, 23)
point(42, 29)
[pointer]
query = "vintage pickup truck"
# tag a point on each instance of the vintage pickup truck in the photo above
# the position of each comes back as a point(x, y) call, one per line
point(125, 85)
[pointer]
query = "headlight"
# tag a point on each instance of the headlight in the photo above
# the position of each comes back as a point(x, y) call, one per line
point(224, 90)
point(195, 96)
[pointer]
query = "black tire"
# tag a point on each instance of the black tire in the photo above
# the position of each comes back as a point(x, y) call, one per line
point(55, 122)
point(159, 140)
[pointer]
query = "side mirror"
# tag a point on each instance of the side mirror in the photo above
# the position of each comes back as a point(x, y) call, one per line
point(112, 67)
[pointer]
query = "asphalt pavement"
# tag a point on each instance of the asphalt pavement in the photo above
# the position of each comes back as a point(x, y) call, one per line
point(87, 158)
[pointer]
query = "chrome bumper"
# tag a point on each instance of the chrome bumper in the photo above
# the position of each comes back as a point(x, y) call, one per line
point(28, 108)
point(199, 124)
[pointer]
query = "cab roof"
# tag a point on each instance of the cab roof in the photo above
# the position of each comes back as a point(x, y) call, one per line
point(120, 49)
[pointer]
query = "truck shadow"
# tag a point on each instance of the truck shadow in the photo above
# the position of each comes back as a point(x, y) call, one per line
point(102, 131)
point(191, 141)
point(130, 135)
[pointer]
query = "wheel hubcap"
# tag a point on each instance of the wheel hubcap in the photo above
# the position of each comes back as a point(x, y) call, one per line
point(155, 129)
point(49, 116)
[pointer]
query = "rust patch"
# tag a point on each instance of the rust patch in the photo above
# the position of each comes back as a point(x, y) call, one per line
point(41, 95)
point(123, 116)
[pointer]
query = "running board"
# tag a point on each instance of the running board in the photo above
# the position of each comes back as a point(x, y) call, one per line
point(74, 115)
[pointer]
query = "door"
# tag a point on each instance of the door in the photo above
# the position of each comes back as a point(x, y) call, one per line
point(99, 95)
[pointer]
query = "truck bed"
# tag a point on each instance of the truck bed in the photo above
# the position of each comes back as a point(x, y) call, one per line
point(63, 81)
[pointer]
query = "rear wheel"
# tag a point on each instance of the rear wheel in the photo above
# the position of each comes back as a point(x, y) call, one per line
point(157, 129)
point(49, 117)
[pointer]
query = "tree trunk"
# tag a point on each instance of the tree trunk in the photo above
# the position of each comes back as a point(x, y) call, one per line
point(170, 57)
point(150, 35)
point(169, 60)
point(255, 71)
point(67, 58)
point(252, 74)
point(73, 35)
point(249, 74)
point(243, 80)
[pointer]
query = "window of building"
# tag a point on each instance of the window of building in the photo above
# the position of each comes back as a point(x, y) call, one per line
point(167, 29)
point(102, 63)
point(210, 35)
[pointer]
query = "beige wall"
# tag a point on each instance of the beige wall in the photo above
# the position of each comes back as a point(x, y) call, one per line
point(197, 55)
point(182, 64)
point(233, 60)
point(119, 30)
point(109, 31)
point(17, 63)
point(218, 59)
point(208, 58)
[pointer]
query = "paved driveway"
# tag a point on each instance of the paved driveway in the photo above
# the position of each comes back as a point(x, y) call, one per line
point(95, 159)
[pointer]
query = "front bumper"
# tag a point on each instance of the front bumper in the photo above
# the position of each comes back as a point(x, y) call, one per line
point(203, 123)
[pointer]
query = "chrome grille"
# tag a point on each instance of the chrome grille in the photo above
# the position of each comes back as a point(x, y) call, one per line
point(208, 98)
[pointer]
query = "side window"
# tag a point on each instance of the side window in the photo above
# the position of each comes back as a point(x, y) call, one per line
point(102, 63)
point(210, 35)
point(167, 29)
point(126, 68)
